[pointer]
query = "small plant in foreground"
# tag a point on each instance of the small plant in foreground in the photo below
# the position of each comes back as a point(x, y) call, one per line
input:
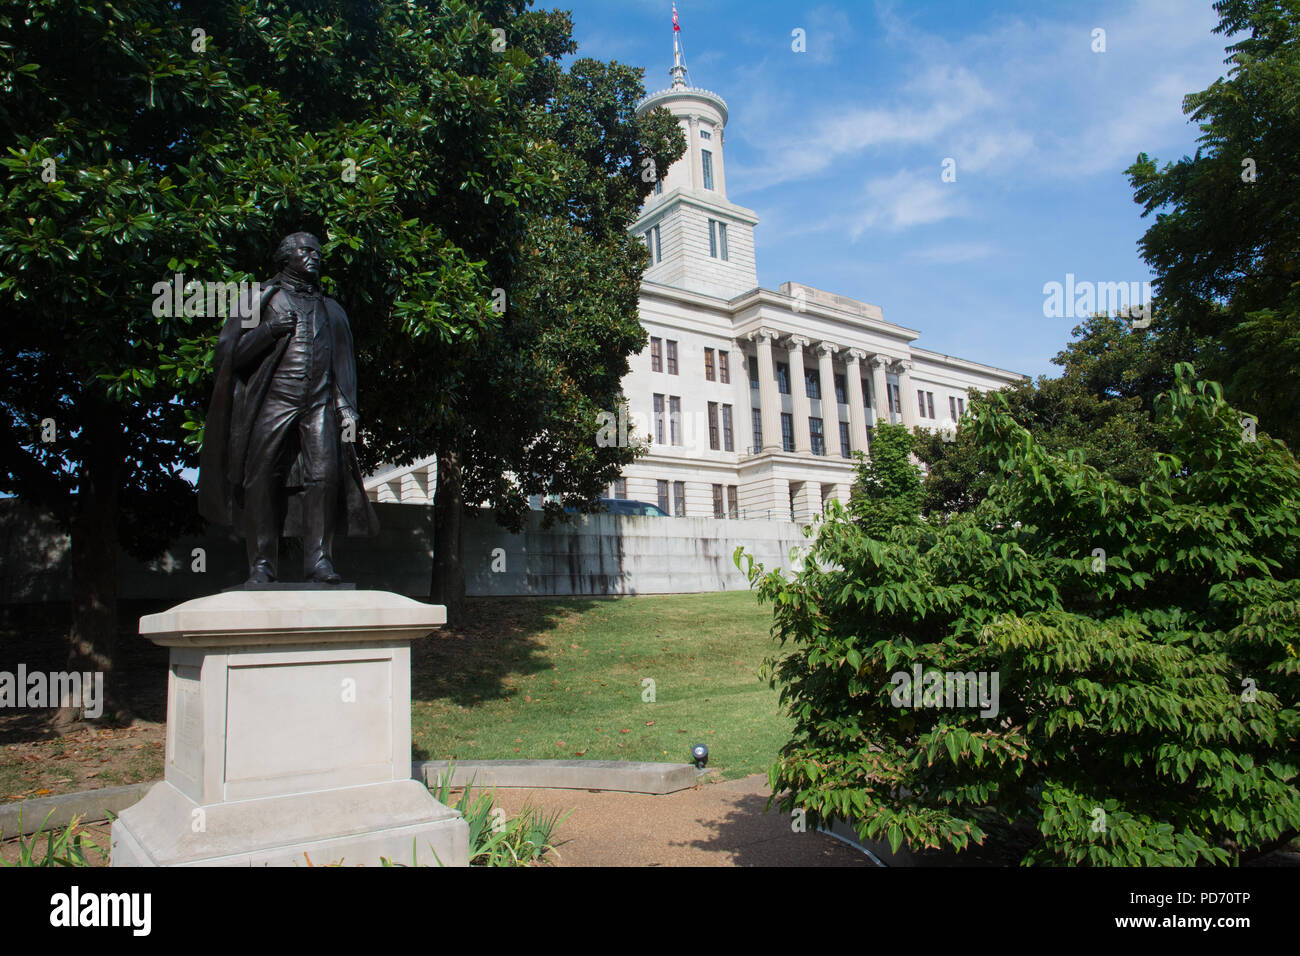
point(65, 847)
point(494, 840)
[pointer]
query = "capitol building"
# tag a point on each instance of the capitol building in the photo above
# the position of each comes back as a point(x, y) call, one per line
point(756, 399)
point(752, 401)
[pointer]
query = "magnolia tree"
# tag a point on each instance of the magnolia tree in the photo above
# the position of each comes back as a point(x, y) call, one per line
point(1111, 667)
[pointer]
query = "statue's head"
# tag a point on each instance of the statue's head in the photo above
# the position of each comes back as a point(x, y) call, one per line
point(299, 253)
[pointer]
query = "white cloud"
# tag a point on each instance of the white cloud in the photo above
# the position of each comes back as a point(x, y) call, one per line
point(1023, 98)
point(904, 200)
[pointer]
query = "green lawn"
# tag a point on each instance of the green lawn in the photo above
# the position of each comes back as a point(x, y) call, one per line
point(526, 678)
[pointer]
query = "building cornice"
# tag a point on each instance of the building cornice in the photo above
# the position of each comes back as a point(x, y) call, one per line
point(761, 296)
point(952, 361)
point(680, 93)
point(701, 199)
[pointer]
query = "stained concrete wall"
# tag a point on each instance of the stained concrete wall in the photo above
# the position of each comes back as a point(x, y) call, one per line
point(621, 554)
point(591, 555)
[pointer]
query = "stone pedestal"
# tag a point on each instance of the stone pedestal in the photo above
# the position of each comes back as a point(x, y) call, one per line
point(289, 736)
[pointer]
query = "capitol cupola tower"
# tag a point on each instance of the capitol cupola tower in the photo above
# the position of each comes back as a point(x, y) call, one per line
point(698, 239)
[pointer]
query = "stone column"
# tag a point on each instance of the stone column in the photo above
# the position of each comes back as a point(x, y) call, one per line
point(857, 413)
point(908, 395)
point(799, 393)
point(769, 398)
point(719, 167)
point(880, 391)
point(830, 405)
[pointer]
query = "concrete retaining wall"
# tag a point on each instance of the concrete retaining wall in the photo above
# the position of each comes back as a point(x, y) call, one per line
point(621, 554)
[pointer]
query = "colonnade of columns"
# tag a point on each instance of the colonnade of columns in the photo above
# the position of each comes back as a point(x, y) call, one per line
point(769, 394)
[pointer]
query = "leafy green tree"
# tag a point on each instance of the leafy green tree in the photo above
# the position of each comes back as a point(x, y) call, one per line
point(423, 147)
point(1224, 246)
point(1101, 407)
point(887, 489)
point(533, 390)
point(1144, 638)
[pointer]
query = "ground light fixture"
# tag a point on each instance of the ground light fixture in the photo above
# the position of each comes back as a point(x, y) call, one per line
point(700, 754)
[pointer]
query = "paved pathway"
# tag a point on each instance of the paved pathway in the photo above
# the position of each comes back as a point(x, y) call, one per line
point(715, 824)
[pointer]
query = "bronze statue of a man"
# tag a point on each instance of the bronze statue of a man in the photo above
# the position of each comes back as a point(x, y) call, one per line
point(278, 455)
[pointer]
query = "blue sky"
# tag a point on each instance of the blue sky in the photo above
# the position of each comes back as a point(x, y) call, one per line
point(840, 149)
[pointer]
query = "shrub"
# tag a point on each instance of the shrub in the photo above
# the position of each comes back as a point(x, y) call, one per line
point(1144, 639)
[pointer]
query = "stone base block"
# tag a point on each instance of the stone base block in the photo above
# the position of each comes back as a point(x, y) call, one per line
point(357, 826)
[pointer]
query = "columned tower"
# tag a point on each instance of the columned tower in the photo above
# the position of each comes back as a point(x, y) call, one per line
point(698, 239)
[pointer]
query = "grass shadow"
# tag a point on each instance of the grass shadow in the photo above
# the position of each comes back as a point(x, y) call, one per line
point(467, 663)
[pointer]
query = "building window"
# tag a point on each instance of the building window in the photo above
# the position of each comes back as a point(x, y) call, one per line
point(717, 239)
point(663, 497)
point(841, 396)
point(713, 425)
point(844, 440)
point(707, 157)
point(675, 418)
point(961, 407)
point(652, 243)
point(679, 498)
point(732, 503)
point(952, 408)
point(672, 357)
point(815, 433)
point(717, 501)
point(708, 364)
point(898, 399)
point(753, 371)
point(787, 431)
point(724, 368)
point(727, 443)
point(705, 134)
point(925, 399)
point(866, 395)
point(758, 430)
point(620, 488)
point(812, 383)
point(659, 419)
point(920, 400)
point(659, 186)
point(783, 378)
point(656, 355)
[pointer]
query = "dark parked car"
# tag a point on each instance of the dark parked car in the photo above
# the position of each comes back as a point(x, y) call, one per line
point(624, 506)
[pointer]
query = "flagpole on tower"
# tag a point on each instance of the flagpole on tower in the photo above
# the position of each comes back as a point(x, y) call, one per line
point(679, 71)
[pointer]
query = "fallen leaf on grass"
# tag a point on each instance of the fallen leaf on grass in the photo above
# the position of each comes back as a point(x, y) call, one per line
point(626, 730)
point(649, 723)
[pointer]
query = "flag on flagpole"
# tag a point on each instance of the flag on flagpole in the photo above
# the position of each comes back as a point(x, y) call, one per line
point(677, 27)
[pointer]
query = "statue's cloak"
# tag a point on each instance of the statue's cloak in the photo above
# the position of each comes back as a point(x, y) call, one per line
point(236, 400)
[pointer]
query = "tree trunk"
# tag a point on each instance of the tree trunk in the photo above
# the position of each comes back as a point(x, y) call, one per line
point(93, 559)
point(447, 586)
